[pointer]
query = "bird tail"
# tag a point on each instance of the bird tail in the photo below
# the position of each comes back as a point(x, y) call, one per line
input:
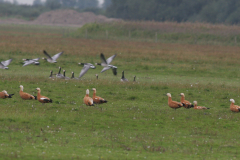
point(192, 106)
point(35, 97)
point(50, 101)
point(209, 108)
point(10, 95)
point(183, 104)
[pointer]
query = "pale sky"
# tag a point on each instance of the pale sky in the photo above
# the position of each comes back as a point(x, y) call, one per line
point(30, 2)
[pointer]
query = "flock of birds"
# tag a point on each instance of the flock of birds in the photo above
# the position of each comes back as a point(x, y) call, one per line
point(95, 99)
point(186, 104)
point(86, 66)
point(43, 99)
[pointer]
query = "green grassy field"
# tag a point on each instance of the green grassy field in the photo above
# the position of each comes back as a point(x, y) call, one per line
point(136, 123)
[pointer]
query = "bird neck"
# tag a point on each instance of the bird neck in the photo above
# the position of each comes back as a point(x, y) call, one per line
point(72, 75)
point(87, 95)
point(169, 99)
point(59, 71)
point(94, 93)
point(232, 104)
point(123, 75)
point(182, 98)
point(39, 94)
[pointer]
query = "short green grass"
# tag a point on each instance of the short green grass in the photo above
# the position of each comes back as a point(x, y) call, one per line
point(136, 123)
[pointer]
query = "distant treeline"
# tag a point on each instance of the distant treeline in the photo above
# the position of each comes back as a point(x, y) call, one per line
point(212, 11)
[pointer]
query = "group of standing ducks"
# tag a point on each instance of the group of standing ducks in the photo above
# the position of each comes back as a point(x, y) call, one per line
point(43, 99)
point(186, 104)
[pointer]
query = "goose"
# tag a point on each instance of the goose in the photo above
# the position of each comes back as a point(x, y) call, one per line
point(24, 95)
point(233, 107)
point(53, 58)
point(198, 107)
point(51, 74)
point(123, 79)
point(173, 104)
point(73, 76)
point(134, 79)
point(64, 75)
point(88, 100)
point(186, 104)
point(86, 67)
point(106, 63)
point(31, 61)
point(59, 75)
point(96, 99)
point(41, 98)
point(4, 95)
point(4, 64)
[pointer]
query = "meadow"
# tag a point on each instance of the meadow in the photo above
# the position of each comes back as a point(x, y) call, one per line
point(136, 123)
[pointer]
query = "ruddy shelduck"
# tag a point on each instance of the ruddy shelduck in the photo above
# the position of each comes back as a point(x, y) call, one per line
point(41, 98)
point(4, 95)
point(198, 107)
point(233, 107)
point(186, 104)
point(24, 95)
point(173, 104)
point(96, 99)
point(88, 100)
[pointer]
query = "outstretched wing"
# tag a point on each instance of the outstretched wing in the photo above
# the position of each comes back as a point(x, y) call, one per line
point(7, 62)
point(47, 54)
point(28, 62)
point(104, 62)
point(55, 57)
point(1, 66)
point(105, 68)
point(84, 70)
point(109, 60)
point(36, 59)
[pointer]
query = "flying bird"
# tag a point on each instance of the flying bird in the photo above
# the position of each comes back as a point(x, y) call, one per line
point(86, 67)
point(106, 63)
point(53, 58)
point(4, 64)
point(31, 61)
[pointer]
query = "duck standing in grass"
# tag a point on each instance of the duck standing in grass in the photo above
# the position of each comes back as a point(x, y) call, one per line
point(88, 100)
point(26, 96)
point(96, 99)
point(233, 107)
point(4, 95)
point(198, 107)
point(173, 104)
point(41, 98)
point(186, 104)
point(123, 79)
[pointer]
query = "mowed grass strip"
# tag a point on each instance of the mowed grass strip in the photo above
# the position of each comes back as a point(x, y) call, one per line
point(136, 123)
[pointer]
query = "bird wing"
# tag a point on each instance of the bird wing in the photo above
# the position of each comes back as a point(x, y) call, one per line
point(114, 71)
point(84, 70)
point(36, 59)
point(109, 60)
point(28, 62)
point(2, 66)
point(105, 68)
point(55, 57)
point(7, 62)
point(47, 54)
point(104, 62)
